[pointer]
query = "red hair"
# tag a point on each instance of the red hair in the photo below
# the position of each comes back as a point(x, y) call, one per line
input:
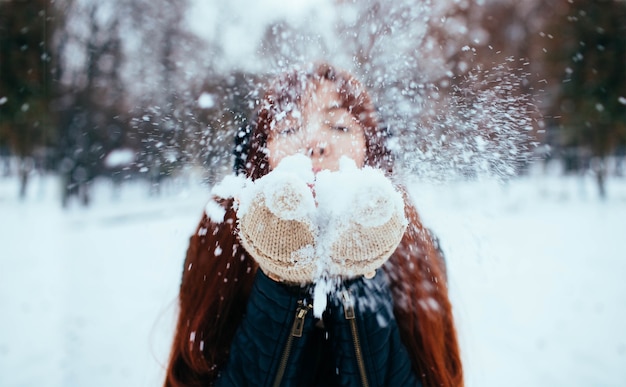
point(218, 273)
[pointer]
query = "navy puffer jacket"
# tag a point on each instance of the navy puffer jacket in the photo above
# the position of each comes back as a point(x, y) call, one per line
point(355, 343)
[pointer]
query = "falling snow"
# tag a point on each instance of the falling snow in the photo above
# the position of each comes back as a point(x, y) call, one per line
point(214, 211)
point(206, 101)
point(119, 158)
point(518, 259)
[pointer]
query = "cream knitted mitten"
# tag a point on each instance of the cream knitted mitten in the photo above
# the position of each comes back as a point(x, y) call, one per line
point(366, 219)
point(276, 226)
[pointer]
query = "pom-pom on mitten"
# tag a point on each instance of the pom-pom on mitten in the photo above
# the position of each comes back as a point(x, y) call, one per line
point(276, 225)
point(366, 218)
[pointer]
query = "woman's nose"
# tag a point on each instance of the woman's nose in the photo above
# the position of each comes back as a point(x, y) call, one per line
point(317, 149)
point(316, 140)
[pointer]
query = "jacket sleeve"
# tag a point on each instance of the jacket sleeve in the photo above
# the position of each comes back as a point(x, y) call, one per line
point(265, 334)
point(367, 338)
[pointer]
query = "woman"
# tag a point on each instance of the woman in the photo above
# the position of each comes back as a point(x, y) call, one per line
point(244, 320)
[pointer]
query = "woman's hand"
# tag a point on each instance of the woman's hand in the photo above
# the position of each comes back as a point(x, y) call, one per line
point(366, 219)
point(277, 228)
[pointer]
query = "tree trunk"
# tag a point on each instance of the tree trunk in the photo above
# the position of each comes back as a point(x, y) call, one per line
point(599, 168)
point(25, 168)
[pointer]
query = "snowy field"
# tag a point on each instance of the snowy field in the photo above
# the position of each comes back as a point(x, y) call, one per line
point(536, 268)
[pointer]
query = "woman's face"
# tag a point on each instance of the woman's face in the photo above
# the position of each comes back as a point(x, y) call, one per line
point(321, 129)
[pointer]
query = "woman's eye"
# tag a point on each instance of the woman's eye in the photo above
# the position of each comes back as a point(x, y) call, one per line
point(287, 131)
point(341, 128)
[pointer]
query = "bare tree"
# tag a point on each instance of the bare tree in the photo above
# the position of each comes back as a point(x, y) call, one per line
point(25, 84)
point(586, 58)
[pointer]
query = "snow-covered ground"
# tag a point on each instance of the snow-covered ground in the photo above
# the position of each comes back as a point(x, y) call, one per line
point(536, 273)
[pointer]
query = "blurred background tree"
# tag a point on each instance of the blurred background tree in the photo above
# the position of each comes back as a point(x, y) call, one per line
point(27, 127)
point(587, 59)
point(90, 102)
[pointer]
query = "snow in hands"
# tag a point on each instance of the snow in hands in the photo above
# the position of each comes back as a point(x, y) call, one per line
point(345, 208)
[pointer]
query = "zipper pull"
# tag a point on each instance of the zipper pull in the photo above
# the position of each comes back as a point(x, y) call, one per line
point(298, 323)
point(348, 305)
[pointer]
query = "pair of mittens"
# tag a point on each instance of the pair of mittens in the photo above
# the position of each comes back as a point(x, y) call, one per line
point(300, 227)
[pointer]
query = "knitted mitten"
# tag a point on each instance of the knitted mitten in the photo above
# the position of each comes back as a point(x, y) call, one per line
point(276, 226)
point(367, 219)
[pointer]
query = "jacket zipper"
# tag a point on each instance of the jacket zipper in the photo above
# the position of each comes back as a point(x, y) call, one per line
point(296, 331)
point(348, 307)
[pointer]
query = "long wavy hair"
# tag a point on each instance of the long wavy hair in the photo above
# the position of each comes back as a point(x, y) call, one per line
point(218, 273)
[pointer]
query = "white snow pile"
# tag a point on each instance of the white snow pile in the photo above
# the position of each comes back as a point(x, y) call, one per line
point(365, 196)
point(287, 189)
point(119, 158)
point(227, 188)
